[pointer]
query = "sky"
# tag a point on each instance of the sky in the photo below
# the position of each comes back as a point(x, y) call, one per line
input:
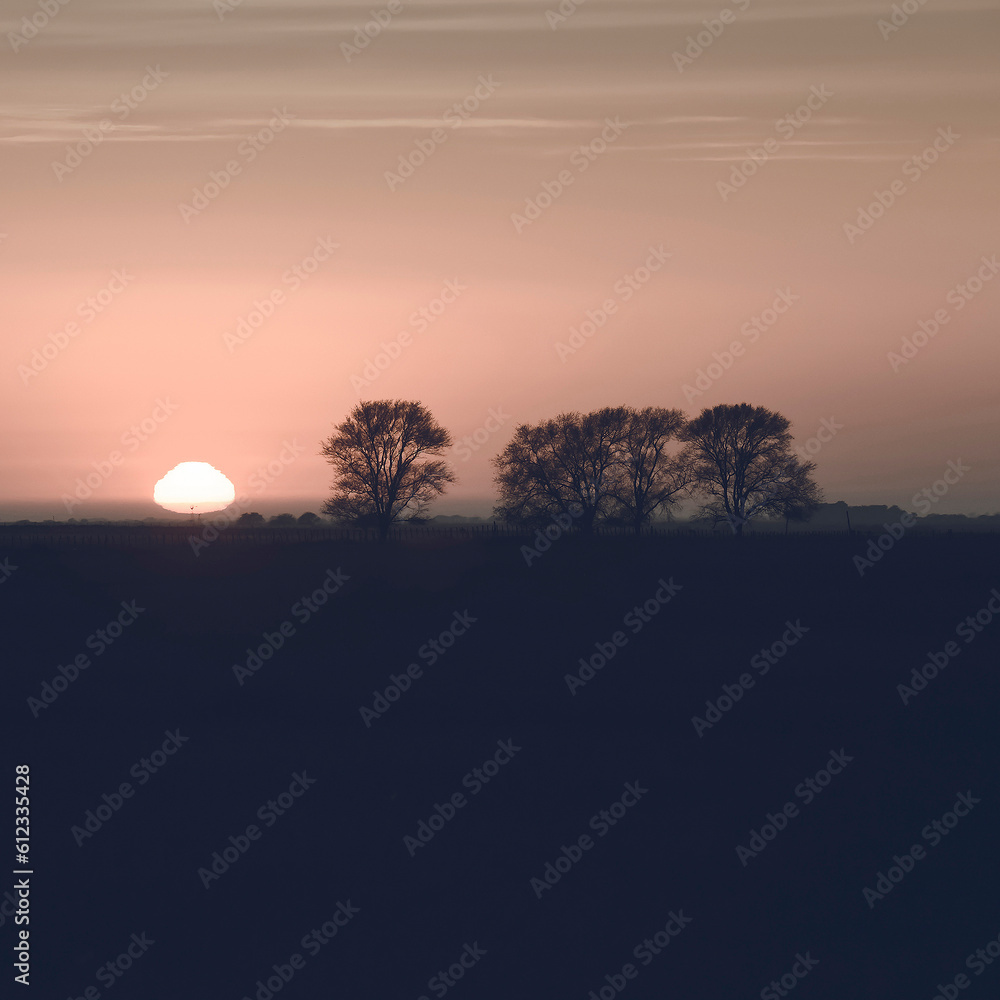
point(225, 225)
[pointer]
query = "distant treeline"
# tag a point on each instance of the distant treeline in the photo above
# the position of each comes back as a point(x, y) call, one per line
point(139, 535)
point(835, 517)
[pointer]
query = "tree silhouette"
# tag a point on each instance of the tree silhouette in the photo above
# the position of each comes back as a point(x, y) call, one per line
point(799, 497)
point(741, 459)
point(799, 513)
point(566, 466)
point(309, 519)
point(375, 452)
point(648, 479)
point(251, 519)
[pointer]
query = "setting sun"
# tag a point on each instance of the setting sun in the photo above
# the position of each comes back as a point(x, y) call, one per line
point(194, 487)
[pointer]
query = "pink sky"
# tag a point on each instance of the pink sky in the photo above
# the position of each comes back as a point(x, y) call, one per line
point(158, 350)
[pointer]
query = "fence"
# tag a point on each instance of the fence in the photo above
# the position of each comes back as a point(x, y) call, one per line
point(147, 536)
point(152, 535)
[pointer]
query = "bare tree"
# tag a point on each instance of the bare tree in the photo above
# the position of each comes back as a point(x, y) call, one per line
point(741, 458)
point(566, 465)
point(649, 479)
point(799, 497)
point(375, 455)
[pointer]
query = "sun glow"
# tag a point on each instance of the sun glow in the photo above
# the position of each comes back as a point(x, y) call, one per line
point(194, 487)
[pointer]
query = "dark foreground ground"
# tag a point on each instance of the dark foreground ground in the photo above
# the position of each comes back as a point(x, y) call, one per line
point(324, 898)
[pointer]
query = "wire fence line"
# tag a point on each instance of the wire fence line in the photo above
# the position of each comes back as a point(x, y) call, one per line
point(182, 534)
point(14, 535)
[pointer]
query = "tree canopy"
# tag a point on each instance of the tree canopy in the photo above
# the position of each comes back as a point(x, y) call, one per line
point(611, 462)
point(382, 472)
point(741, 460)
point(650, 479)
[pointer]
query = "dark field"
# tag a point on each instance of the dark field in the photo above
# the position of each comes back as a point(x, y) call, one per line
point(670, 852)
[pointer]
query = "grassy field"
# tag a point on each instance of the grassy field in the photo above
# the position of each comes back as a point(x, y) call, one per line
point(473, 648)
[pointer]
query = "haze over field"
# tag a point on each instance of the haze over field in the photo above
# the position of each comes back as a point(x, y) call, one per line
point(226, 214)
